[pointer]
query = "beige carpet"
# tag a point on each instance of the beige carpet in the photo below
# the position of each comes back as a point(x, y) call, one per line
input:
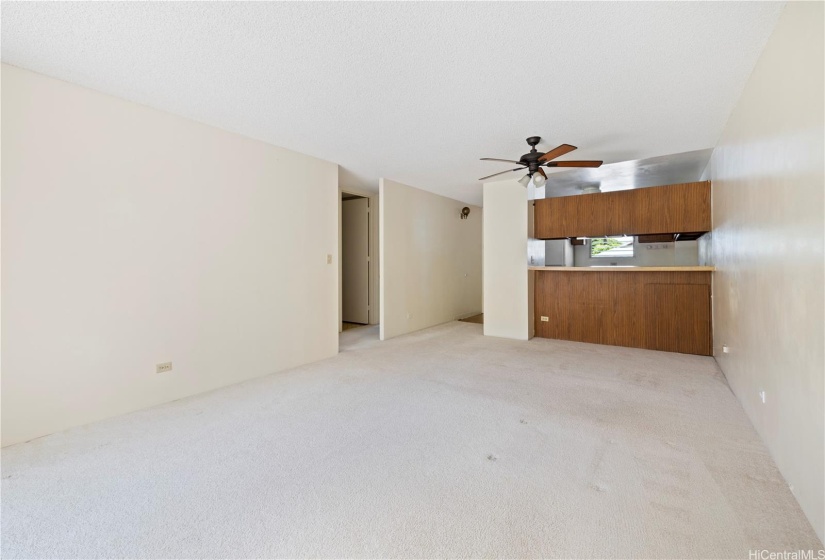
point(442, 443)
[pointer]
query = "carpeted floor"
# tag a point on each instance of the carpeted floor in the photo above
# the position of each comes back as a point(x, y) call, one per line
point(442, 443)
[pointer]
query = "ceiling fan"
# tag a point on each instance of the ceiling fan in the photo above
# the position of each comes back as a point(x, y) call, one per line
point(533, 161)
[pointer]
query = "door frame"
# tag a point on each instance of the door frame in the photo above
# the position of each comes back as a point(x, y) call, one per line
point(372, 276)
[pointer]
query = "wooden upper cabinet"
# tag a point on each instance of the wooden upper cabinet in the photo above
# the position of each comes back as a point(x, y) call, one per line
point(682, 208)
point(671, 209)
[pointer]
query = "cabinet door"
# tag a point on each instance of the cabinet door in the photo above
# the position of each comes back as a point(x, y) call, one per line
point(554, 216)
point(553, 299)
point(544, 219)
point(678, 318)
point(587, 215)
point(592, 215)
point(617, 209)
point(671, 209)
point(577, 305)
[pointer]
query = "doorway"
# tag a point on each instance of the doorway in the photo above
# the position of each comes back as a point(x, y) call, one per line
point(358, 220)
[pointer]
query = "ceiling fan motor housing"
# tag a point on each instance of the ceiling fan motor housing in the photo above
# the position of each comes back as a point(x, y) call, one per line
point(531, 158)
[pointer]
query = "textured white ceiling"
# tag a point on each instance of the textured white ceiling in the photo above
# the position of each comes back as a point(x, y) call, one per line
point(416, 92)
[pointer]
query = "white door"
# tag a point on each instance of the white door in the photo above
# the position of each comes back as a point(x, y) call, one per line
point(355, 252)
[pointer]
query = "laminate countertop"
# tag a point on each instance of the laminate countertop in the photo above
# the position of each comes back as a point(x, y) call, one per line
point(622, 268)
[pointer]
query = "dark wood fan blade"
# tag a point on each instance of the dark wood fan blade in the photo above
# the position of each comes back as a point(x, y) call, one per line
point(501, 173)
point(540, 170)
point(557, 152)
point(574, 163)
point(504, 160)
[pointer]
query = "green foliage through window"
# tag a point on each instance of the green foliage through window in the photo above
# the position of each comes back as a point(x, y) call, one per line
point(621, 247)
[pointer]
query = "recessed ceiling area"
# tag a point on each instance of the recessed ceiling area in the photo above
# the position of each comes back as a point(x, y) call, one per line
point(637, 174)
point(416, 92)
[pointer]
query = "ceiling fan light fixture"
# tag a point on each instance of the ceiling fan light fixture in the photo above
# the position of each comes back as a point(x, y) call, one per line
point(591, 188)
point(539, 180)
point(524, 180)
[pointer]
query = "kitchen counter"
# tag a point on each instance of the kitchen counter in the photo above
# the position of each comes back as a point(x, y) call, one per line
point(622, 268)
point(659, 308)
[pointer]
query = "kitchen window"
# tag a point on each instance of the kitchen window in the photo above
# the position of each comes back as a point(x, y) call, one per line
point(611, 247)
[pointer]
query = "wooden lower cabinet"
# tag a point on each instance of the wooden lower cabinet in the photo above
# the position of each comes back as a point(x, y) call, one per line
point(657, 310)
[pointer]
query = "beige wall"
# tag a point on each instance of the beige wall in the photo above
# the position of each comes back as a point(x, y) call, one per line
point(767, 245)
point(430, 259)
point(132, 237)
point(508, 307)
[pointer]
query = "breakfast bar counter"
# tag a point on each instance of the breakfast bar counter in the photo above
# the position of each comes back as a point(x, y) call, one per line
point(622, 268)
point(658, 308)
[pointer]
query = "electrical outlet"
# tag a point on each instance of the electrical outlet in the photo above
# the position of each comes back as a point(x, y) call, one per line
point(762, 396)
point(545, 319)
point(725, 350)
point(329, 259)
point(164, 367)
